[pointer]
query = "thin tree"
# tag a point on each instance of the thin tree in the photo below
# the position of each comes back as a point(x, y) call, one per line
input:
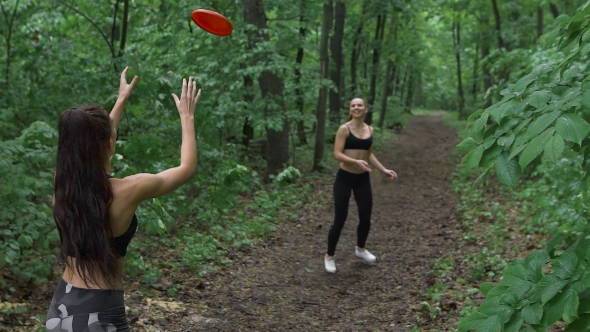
point(320, 140)
point(376, 57)
point(336, 95)
point(456, 30)
point(298, 61)
point(272, 89)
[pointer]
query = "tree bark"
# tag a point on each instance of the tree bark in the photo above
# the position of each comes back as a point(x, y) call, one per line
point(410, 93)
point(272, 89)
point(247, 129)
point(539, 21)
point(124, 28)
point(379, 30)
point(336, 95)
point(8, 39)
point(403, 86)
point(554, 10)
point(356, 43)
point(498, 28)
point(456, 27)
point(320, 141)
point(385, 93)
point(298, 61)
point(475, 69)
point(487, 77)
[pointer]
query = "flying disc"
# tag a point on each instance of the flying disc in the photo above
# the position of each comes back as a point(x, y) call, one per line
point(212, 22)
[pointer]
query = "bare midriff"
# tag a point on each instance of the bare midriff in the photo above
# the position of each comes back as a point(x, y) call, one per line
point(73, 277)
point(358, 155)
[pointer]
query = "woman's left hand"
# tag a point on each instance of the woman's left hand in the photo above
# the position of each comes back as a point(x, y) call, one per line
point(390, 173)
point(124, 87)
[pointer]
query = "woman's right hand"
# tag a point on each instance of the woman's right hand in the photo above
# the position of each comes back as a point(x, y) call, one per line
point(363, 164)
point(189, 97)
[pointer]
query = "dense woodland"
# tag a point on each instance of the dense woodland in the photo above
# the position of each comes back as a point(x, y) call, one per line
point(273, 94)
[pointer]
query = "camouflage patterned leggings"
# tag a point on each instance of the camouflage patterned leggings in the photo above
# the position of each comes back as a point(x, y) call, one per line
point(76, 309)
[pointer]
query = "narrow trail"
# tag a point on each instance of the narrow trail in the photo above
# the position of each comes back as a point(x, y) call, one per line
point(283, 286)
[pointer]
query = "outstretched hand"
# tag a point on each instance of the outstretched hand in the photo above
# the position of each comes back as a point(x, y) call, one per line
point(390, 174)
point(124, 87)
point(189, 97)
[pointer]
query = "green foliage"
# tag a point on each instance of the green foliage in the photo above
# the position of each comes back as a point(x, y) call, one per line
point(542, 117)
point(26, 222)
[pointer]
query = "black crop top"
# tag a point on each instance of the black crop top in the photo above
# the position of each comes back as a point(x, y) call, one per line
point(120, 242)
point(354, 143)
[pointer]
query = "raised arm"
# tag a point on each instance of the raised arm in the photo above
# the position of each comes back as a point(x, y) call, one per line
point(147, 186)
point(124, 93)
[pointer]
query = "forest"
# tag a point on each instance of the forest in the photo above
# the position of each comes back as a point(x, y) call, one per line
point(482, 107)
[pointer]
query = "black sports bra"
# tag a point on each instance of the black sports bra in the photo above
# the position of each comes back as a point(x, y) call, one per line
point(354, 143)
point(120, 242)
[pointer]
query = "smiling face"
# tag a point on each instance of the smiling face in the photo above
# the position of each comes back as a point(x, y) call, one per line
point(357, 108)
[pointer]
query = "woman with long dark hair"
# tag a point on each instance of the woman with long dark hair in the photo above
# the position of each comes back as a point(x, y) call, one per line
point(95, 213)
point(353, 148)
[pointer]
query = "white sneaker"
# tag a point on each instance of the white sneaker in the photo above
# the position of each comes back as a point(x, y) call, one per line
point(365, 254)
point(330, 265)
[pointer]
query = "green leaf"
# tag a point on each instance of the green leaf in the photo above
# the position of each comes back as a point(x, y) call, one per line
point(554, 148)
point(535, 147)
point(564, 265)
point(471, 322)
point(532, 314)
point(490, 156)
point(467, 144)
point(541, 123)
point(523, 83)
point(515, 323)
point(564, 305)
point(580, 324)
point(547, 287)
point(25, 241)
point(473, 158)
point(498, 113)
point(506, 140)
point(534, 263)
point(516, 151)
point(539, 99)
point(485, 288)
point(491, 324)
point(479, 125)
point(572, 128)
point(508, 170)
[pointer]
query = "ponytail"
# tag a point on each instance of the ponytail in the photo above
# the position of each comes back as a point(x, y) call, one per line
point(83, 194)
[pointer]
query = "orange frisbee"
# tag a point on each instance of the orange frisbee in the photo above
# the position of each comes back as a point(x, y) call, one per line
point(212, 22)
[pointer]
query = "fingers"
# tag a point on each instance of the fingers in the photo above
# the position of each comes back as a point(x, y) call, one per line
point(198, 96)
point(124, 73)
point(134, 81)
point(176, 100)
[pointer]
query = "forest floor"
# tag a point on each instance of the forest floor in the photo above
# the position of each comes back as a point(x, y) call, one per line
point(282, 285)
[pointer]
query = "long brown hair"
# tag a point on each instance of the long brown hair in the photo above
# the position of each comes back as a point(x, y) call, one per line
point(83, 193)
point(350, 115)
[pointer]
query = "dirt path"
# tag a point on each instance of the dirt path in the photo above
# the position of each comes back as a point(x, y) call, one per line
point(283, 286)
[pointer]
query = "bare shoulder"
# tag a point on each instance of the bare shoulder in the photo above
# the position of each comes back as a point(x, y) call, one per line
point(129, 187)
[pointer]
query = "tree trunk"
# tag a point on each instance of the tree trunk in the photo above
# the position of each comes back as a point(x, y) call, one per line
point(410, 93)
point(299, 60)
point(356, 43)
point(403, 86)
point(272, 88)
point(320, 141)
point(501, 46)
point(385, 93)
point(487, 77)
point(456, 27)
point(539, 21)
point(336, 70)
point(379, 30)
point(124, 28)
point(247, 129)
point(554, 10)
point(475, 69)
point(8, 39)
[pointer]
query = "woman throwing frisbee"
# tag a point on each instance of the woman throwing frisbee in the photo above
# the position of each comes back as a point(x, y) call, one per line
point(352, 148)
point(95, 213)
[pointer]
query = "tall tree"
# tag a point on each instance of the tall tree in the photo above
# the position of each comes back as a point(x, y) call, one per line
point(388, 76)
point(272, 89)
point(320, 140)
point(356, 50)
point(336, 95)
point(456, 30)
point(298, 61)
point(376, 57)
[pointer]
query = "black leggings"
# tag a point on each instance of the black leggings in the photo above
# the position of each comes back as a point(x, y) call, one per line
point(360, 184)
